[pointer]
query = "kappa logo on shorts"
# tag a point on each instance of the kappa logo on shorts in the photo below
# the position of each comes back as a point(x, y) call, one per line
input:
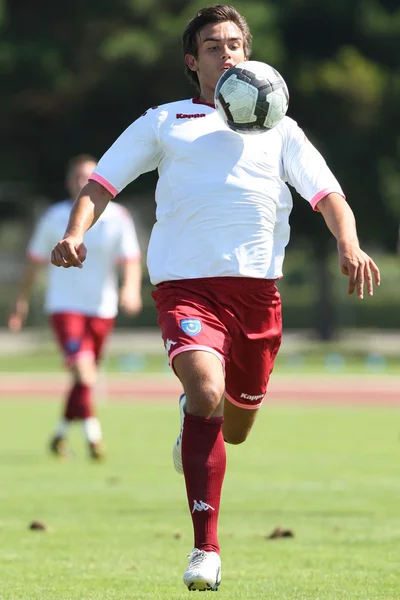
point(252, 398)
point(169, 344)
point(191, 326)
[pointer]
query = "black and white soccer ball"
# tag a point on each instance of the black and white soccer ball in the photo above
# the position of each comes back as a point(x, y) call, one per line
point(251, 97)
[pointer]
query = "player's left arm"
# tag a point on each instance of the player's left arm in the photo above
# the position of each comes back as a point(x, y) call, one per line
point(305, 168)
point(130, 296)
point(354, 262)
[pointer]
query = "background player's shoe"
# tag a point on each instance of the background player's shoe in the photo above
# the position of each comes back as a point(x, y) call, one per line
point(97, 451)
point(59, 447)
point(203, 572)
point(177, 449)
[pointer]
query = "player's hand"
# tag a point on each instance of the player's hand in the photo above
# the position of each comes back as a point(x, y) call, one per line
point(17, 317)
point(359, 268)
point(69, 252)
point(130, 301)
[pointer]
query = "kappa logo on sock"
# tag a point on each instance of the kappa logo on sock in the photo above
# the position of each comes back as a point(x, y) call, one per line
point(200, 506)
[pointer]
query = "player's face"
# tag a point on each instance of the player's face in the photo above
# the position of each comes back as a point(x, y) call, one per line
point(220, 46)
point(78, 177)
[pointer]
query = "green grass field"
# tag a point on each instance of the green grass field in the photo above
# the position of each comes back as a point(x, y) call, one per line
point(121, 530)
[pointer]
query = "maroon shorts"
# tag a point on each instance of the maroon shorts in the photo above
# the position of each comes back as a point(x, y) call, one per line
point(79, 334)
point(237, 319)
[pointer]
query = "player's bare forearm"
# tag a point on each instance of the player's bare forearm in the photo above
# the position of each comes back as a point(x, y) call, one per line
point(28, 279)
point(18, 314)
point(87, 208)
point(132, 274)
point(130, 294)
point(353, 261)
point(339, 218)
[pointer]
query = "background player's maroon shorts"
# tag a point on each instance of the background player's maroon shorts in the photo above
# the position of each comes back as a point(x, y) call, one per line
point(236, 318)
point(79, 334)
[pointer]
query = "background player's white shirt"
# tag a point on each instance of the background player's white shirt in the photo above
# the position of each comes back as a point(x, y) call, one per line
point(222, 201)
point(93, 290)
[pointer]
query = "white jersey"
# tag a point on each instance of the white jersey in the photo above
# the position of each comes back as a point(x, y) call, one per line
point(93, 290)
point(223, 203)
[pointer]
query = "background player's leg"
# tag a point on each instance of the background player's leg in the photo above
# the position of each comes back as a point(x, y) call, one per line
point(81, 402)
point(69, 330)
point(86, 374)
point(203, 458)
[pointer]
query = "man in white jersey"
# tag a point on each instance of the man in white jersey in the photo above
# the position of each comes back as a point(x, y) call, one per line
point(82, 306)
point(215, 254)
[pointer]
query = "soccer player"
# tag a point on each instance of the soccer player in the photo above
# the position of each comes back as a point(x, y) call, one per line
point(82, 305)
point(215, 253)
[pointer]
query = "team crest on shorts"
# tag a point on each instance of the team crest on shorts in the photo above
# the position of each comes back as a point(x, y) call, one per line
point(72, 345)
point(191, 326)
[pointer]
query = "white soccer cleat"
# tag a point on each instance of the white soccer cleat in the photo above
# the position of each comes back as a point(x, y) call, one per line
point(203, 572)
point(177, 450)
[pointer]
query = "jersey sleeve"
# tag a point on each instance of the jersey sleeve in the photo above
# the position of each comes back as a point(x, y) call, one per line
point(41, 243)
point(136, 151)
point(128, 244)
point(305, 168)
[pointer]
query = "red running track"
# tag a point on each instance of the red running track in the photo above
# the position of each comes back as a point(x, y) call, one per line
point(365, 389)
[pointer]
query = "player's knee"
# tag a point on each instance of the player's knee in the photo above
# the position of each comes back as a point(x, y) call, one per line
point(86, 379)
point(85, 372)
point(204, 399)
point(235, 437)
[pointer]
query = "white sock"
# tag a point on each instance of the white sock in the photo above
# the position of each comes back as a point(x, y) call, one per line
point(62, 428)
point(92, 430)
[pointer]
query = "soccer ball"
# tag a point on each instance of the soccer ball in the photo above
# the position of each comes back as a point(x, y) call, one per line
point(251, 97)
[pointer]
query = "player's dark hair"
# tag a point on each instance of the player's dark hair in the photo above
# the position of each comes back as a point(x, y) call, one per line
point(77, 160)
point(212, 14)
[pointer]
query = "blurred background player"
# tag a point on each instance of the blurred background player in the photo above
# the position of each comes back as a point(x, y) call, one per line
point(82, 306)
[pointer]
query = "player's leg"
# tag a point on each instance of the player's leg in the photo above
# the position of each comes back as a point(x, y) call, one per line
point(69, 331)
point(84, 367)
point(238, 422)
point(203, 459)
point(256, 339)
point(84, 371)
point(197, 343)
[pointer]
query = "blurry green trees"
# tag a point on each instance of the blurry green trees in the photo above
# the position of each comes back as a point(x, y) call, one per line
point(75, 74)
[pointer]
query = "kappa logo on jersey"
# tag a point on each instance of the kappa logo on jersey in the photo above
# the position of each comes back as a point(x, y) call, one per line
point(200, 506)
point(186, 116)
point(72, 345)
point(191, 326)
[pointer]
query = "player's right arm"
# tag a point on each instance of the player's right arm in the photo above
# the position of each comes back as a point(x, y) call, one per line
point(37, 255)
point(87, 208)
point(20, 309)
point(136, 151)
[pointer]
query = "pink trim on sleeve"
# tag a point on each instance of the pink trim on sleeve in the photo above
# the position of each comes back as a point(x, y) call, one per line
point(314, 201)
point(99, 179)
point(40, 260)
